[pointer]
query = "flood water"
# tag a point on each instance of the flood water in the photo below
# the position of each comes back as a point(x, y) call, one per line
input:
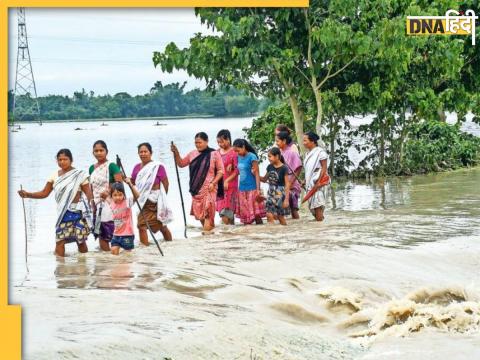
point(392, 273)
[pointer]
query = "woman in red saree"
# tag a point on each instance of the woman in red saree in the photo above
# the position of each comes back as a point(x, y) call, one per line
point(206, 170)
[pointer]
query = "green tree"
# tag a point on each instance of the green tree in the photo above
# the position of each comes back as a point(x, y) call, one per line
point(287, 53)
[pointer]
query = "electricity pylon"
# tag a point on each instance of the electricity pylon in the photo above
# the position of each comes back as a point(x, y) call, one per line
point(25, 103)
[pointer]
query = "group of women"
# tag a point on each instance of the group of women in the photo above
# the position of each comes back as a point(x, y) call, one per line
point(226, 180)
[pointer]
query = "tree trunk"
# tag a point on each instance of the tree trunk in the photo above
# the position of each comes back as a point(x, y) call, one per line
point(298, 120)
point(403, 138)
point(318, 102)
point(333, 135)
point(382, 142)
point(441, 115)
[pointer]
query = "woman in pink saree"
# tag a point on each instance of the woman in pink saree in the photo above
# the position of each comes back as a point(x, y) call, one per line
point(294, 163)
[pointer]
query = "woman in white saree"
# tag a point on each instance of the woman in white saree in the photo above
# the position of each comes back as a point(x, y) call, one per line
point(151, 181)
point(315, 165)
point(68, 184)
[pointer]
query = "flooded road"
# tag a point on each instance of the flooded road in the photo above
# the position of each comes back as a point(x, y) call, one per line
point(391, 274)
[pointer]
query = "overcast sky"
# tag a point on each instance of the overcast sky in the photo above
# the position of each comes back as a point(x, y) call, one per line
point(104, 50)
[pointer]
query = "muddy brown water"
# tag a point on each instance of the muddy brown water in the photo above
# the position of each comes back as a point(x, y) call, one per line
point(391, 274)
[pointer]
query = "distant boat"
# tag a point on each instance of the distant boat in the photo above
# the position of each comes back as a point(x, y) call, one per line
point(158, 124)
point(78, 129)
point(103, 124)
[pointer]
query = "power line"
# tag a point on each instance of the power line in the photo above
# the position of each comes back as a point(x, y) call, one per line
point(108, 41)
point(88, 61)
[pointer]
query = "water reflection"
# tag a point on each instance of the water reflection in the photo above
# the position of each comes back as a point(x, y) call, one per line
point(72, 272)
point(371, 194)
point(86, 272)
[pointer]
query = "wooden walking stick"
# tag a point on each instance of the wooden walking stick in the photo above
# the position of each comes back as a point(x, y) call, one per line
point(119, 163)
point(181, 197)
point(26, 237)
point(296, 177)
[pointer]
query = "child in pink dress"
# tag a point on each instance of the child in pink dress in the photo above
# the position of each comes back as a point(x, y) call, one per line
point(121, 206)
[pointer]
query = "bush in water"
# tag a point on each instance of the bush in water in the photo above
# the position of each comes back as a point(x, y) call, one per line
point(437, 146)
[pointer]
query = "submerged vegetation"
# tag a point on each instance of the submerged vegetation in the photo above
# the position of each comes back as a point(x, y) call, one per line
point(336, 60)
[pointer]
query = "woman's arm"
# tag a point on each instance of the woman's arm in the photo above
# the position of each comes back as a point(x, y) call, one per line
point(118, 177)
point(235, 171)
point(181, 162)
point(165, 184)
point(264, 178)
point(135, 192)
point(298, 171)
point(87, 190)
point(256, 173)
point(219, 167)
point(231, 177)
point(287, 190)
point(42, 194)
point(116, 171)
point(322, 172)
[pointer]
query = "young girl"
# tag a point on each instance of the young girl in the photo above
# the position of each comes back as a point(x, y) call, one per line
point(278, 187)
point(251, 206)
point(226, 204)
point(121, 208)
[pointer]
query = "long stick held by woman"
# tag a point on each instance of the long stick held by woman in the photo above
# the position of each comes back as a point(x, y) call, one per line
point(26, 232)
point(206, 171)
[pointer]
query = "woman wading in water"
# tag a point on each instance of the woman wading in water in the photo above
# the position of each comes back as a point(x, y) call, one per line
point(102, 175)
point(68, 184)
point(315, 169)
point(251, 205)
point(226, 205)
point(151, 180)
point(206, 171)
point(294, 165)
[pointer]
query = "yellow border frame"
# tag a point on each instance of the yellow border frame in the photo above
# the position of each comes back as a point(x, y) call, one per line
point(11, 315)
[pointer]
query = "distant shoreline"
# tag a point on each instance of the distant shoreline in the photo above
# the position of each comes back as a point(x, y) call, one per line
point(179, 117)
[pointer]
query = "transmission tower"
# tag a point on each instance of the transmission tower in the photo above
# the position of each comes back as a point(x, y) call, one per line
point(25, 103)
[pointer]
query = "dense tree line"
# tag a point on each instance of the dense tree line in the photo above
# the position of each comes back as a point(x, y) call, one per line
point(162, 100)
point(340, 59)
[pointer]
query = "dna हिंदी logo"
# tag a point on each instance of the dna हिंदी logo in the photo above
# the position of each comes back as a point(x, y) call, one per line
point(453, 23)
